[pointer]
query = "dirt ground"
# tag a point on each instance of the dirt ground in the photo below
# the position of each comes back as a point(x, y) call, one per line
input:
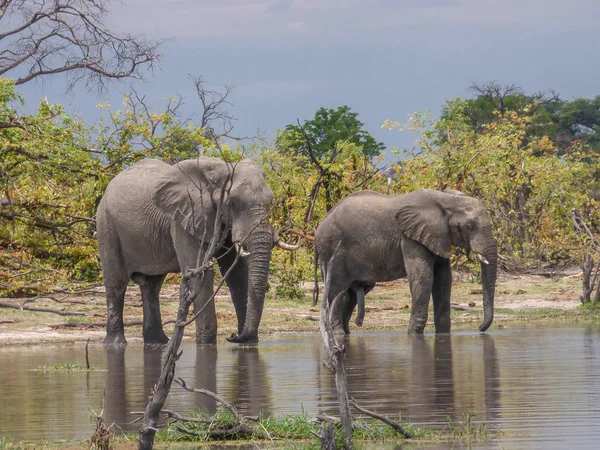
point(518, 298)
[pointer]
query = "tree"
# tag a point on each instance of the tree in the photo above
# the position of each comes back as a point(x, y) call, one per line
point(569, 125)
point(48, 37)
point(54, 170)
point(529, 189)
point(328, 130)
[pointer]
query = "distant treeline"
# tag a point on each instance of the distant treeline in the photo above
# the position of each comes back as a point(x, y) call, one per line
point(533, 159)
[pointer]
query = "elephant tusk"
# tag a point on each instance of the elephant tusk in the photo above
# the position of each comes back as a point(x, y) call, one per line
point(243, 253)
point(481, 258)
point(284, 245)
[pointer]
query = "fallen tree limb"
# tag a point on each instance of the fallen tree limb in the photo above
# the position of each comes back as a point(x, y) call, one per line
point(135, 323)
point(25, 290)
point(48, 310)
point(395, 425)
point(238, 430)
point(335, 362)
point(212, 395)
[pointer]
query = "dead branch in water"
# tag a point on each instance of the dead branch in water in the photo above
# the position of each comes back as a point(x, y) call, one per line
point(335, 363)
point(395, 425)
point(212, 395)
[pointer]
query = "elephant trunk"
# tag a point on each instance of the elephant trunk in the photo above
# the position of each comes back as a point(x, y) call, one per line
point(258, 244)
point(489, 268)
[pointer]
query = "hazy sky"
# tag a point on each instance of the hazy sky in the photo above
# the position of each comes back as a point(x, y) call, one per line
point(383, 58)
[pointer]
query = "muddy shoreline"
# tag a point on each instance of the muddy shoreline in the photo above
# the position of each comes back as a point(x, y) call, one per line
point(518, 298)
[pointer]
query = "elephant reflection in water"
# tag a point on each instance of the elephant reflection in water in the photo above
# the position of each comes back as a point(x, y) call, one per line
point(116, 407)
point(249, 386)
point(454, 376)
point(425, 378)
point(206, 377)
point(432, 378)
point(120, 398)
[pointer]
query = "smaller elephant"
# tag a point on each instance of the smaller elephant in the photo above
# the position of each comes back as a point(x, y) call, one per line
point(370, 237)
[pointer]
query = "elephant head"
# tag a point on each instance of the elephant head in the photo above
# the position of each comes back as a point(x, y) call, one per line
point(440, 220)
point(207, 195)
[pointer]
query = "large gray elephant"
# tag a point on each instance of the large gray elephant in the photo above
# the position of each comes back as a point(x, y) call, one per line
point(154, 219)
point(379, 237)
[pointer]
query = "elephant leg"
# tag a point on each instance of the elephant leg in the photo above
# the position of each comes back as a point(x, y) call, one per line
point(150, 287)
point(206, 322)
point(442, 286)
point(201, 287)
point(350, 302)
point(116, 277)
point(115, 300)
point(237, 281)
point(418, 261)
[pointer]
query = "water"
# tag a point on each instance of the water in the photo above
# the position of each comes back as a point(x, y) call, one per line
point(540, 385)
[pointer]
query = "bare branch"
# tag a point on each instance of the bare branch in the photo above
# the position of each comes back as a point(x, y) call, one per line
point(69, 36)
point(395, 425)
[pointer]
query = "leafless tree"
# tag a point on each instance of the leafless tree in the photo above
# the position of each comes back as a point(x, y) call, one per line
point(47, 37)
point(495, 93)
point(216, 120)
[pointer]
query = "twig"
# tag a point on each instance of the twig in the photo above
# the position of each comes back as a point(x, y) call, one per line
point(135, 323)
point(395, 425)
point(48, 310)
point(336, 354)
point(214, 396)
point(87, 355)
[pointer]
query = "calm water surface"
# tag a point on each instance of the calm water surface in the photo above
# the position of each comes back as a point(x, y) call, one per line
point(541, 386)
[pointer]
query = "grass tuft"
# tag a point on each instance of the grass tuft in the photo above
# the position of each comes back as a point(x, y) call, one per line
point(468, 429)
point(68, 366)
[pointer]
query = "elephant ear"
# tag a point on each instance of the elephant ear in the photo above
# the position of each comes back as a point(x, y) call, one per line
point(422, 219)
point(188, 193)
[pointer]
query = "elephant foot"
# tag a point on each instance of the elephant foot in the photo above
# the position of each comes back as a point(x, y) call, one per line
point(416, 331)
point(115, 340)
point(244, 338)
point(156, 338)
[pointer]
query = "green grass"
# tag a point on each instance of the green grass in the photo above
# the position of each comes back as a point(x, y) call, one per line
point(68, 366)
point(300, 431)
point(468, 430)
point(590, 311)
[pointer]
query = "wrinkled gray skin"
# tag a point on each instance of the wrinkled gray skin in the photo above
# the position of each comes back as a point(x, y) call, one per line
point(154, 219)
point(383, 238)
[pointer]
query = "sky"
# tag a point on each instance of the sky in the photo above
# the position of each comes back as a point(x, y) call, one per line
point(383, 58)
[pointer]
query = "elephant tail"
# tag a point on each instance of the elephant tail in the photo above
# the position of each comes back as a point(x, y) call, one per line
point(316, 288)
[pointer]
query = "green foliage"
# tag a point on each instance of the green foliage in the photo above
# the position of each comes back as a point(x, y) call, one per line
point(505, 150)
point(300, 427)
point(305, 191)
point(48, 183)
point(329, 128)
point(54, 170)
point(568, 124)
point(528, 188)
